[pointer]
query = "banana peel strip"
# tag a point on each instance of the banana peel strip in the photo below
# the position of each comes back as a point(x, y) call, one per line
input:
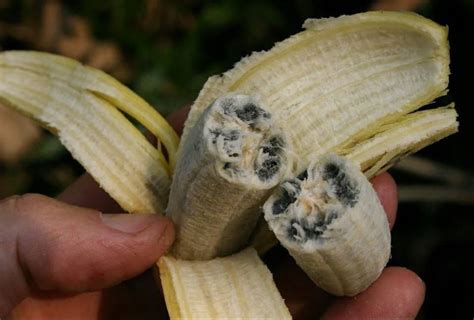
point(394, 141)
point(332, 85)
point(235, 287)
point(56, 91)
point(98, 82)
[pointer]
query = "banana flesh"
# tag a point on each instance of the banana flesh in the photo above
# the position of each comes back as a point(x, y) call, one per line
point(331, 221)
point(81, 105)
point(235, 287)
point(234, 157)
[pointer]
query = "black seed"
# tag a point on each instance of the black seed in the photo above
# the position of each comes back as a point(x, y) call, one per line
point(293, 232)
point(295, 184)
point(331, 216)
point(319, 223)
point(215, 133)
point(313, 232)
point(269, 169)
point(233, 135)
point(271, 164)
point(271, 151)
point(331, 171)
point(248, 113)
point(303, 175)
point(228, 105)
point(283, 203)
point(345, 188)
point(273, 146)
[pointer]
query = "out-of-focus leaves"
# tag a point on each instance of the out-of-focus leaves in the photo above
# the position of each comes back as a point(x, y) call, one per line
point(56, 30)
point(398, 5)
point(17, 134)
point(47, 149)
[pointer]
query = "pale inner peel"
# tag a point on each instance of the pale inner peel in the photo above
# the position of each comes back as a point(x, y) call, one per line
point(366, 70)
point(132, 176)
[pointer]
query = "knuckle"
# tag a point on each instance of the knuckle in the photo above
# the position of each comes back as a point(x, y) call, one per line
point(8, 204)
point(28, 203)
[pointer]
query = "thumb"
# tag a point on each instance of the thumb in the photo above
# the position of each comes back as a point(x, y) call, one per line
point(48, 245)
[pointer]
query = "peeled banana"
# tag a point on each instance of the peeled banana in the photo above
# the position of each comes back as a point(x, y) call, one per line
point(331, 221)
point(235, 155)
point(303, 122)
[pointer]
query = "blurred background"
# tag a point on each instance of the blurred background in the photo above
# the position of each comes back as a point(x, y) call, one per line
point(165, 51)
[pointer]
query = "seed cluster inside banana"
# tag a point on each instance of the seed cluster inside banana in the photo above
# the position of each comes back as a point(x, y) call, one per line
point(234, 156)
point(331, 221)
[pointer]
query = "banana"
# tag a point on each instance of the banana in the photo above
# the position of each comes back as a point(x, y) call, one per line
point(348, 86)
point(81, 105)
point(234, 157)
point(332, 223)
point(235, 287)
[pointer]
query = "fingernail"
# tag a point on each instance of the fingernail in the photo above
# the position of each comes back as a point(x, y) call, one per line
point(129, 223)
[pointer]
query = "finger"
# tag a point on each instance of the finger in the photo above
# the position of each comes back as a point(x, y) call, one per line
point(302, 297)
point(138, 298)
point(386, 189)
point(177, 118)
point(57, 247)
point(85, 192)
point(397, 294)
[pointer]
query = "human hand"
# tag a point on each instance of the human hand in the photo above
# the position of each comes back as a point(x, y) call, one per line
point(70, 262)
point(398, 293)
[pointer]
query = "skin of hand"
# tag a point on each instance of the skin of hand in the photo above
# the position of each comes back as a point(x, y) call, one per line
point(59, 260)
